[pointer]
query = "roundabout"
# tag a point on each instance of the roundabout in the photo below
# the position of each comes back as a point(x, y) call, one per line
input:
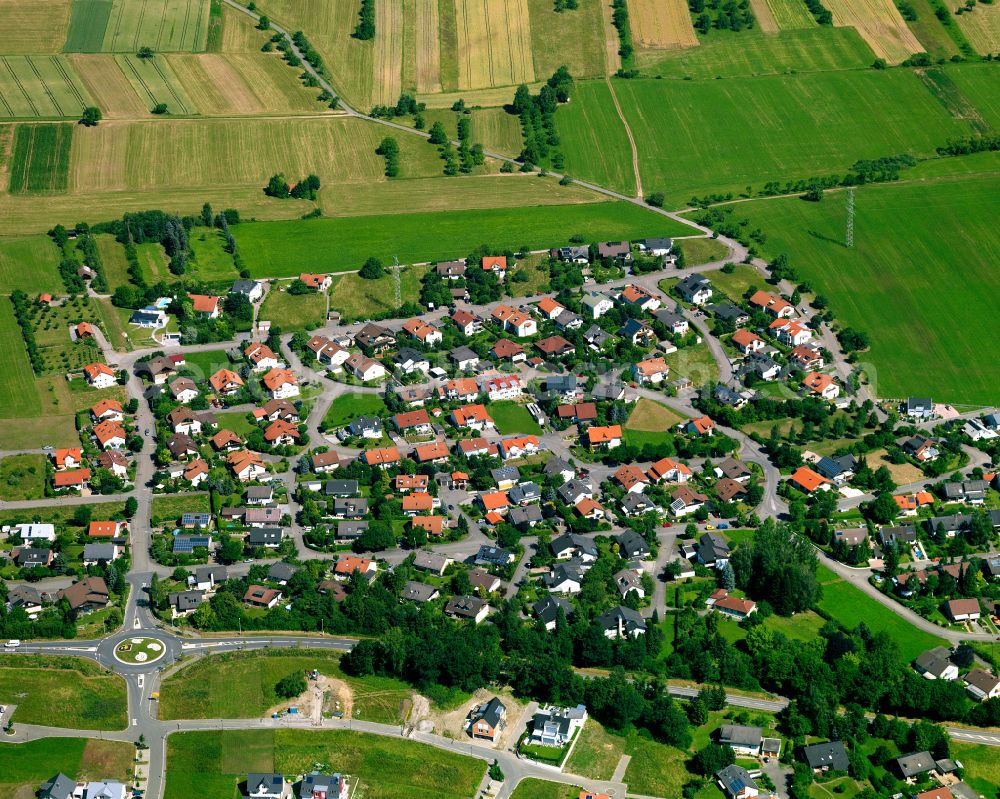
point(139, 650)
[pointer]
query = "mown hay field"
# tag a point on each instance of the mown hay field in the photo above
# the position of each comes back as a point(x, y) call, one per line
point(574, 38)
point(661, 24)
point(40, 87)
point(388, 56)
point(39, 161)
point(164, 25)
point(786, 14)
point(803, 125)
point(594, 140)
point(328, 25)
point(112, 91)
point(880, 24)
point(980, 85)
point(155, 82)
point(428, 46)
point(766, 21)
point(283, 249)
point(930, 32)
point(806, 50)
point(908, 239)
point(167, 154)
point(981, 27)
point(33, 26)
point(494, 43)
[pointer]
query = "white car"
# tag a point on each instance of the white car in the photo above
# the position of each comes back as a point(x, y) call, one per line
point(13, 643)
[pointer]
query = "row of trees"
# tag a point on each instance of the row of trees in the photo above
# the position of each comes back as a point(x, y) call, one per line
point(306, 189)
point(537, 114)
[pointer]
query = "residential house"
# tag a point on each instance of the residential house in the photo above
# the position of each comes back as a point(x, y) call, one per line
point(818, 384)
point(615, 251)
point(913, 765)
point(475, 417)
point(412, 422)
point(261, 357)
point(935, 664)
point(761, 365)
point(556, 726)
point(94, 554)
point(450, 270)
point(207, 306)
point(266, 786)
point(637, 332)
point(364, 368)
point(493, 556)
point(982, 685)
point(431, 562)
point(497, 264)
point(651, 370)
point(695, 289)
point(772, 305)
point(736, 782)
point(159, 369)
point(281, 383)
point(632, 546)
point(918, 407)
point(485, 721)
point(746, 341)
point(573, 254)
point(89, 594)
point(827, 756)
point(722, 602)
point(607, 437)
point(961, 609)
point(549, 308)
point(74, 479)
point(555, 347)
point(505, 387)
point(183, 389)
point(518, 447)
point(744, 741)
point(435, 452)
point(734, 470)
point(921, 448)
point(631, 478)
point(712, 550)
point(807, 481)
point(323, 786)
point(851, 537)
point(729, 490)
point(728, 312)
point(524, 517)
point(149, 317)
point(627, 580)
point(700, 426)
point(656, 246)
point(669, 470)
point(577, 412)
point(674, 322)
point(226, 382)
point(107, 410)
point(790, 332)
point(471, 608)
point(547, 609)
point(316, 282)
point(422, 331)
point(99, 375)
point(972, 492)
point(685, 501)
point(507, 350)
point(806, 358)
point(564, 578)
point(250, 289)
point(622, 622)
point(519, 323)
point(571, 545)
point(419, 592)
point(839, 468)
point(246, 466)
point(595, 305)
point(374, 339)
point(638, 297)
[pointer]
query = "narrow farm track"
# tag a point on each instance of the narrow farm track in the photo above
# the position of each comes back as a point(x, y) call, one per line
point(631, 139)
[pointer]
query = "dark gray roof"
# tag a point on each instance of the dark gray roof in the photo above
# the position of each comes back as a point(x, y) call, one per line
point(693, 283)
point(494, 556)
point(631, 620)
point(632, 545)
point(187, 543)
point(58, 787)
point(281, 571)
point(264, 535)
point(341, 488)
point(727, 311)
point(243, 286)
point(463, 354)
point(740, 735)
point(547, 608)
point(579, 543)
point(271, 782)
point(418, 592)
point(914, 764)
point(831, 755)
point(568, 570)
point(735, 779)
point(527, 515)
point(832, 467)
point(98, 552)
point(186, 600)
point(524, 492)
point(492, 712)
point(555, 465)
point(464, 606)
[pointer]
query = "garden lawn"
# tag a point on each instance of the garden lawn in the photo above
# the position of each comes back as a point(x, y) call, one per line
point(211, 261)
point(348, 407)
point(59, 514)
point(924, 256)
point(23, 767)
point(850, 606)
point(294, 311)
point(242, 686)
point(651, 416)
point(735, 285)
point(206, 363)
point(172, 506)
point(596, 753)
point(283, 249)
point(655, 769)
point(357, 298)
point(62, 692)
point(534, 788)
point(213, 763)
point(22, 477)
point(236, 421)
point(982, 768)
point(513, 418)
point(29, 263)
point(727, 134)
point(702, 251)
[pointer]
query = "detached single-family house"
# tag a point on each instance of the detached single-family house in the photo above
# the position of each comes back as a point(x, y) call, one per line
point(981, 684)
point(556, 726)
point(99, 375)
point(471, 608)
point(622, 622)
point(962, 609)
point(828, 756)
point(818, 384)
point(485, 721)
point(772, 305)
point(695, 289)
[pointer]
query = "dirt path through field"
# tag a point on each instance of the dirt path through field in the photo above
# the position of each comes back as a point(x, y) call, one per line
point(612, 61)
point(631, 138)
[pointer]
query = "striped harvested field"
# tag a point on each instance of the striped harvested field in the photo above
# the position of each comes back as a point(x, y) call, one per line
point(38, 26)
point(574, 38)
point(661, 24)
point(155, 82)
point(239, 33)
point(880, 24)
point(428, 46)
point(787, 14)
point(981, 27)
point(107, 84)
point(388, 57)
point(766, 21)
point(167, 154)
point(494, 43)
point(164, 25)
point(40, 87)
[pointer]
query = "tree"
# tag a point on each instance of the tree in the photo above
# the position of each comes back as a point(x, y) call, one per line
point(159, 108)
point(131, 506)
point(291, 686)
point(91, 116)
point(712, 758)
point(728, 577)
point(264, 23)
point(438, 134)
point(372, 269)
point(277, 186)
point(144, 53)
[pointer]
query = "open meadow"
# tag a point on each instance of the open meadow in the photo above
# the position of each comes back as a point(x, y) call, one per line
point(294, 311)
point(803, 125)
point(284, 249)
point(908, 243)
point(214, 763)
point(357, 298)
point(62, 692)
point(574, 38)
point(23, 767)
point(807, 50)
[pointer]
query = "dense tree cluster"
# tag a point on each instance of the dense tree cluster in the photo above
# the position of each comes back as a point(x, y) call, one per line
point(537, 114)
point(306, 189)
point(389, 149)
point(734, 15)
point(365, 29)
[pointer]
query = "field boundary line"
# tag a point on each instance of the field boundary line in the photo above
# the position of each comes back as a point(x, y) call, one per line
point(489, 39)
point(631, 138)
point(45, 86)
point(138, 77)
point(61, 68)
point(17, 82)
point(170, 87)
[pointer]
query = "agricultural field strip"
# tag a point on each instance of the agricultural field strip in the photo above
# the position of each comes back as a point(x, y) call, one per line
point(46, 84)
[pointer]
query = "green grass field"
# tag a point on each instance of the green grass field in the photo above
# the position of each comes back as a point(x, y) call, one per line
point(23, 767)
point(211, 261)
point(596, 753)
point(979, 86)
point(172, 506)
point(357, 298)
point(575, 39)
point(22, 477)
point(294, 311)
point(58, 514)
point(736, 284)
point(207, 362)
point(29, 263)
point(235, 421)
point(982, 769)
point(804, 125)
point(534, 788)
point(592, 134)
point(242, 686)
point(349, 406)
point(40, 87)
point(62, 692)
point(702, 251)
point(121, 26)
point(155, 82)
point(39, 163)
point(908, 243)
point(282, 249)
point(850, 606)
point(512, 418)
point(18, 396)
point(818, 49)
point(214, 763)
